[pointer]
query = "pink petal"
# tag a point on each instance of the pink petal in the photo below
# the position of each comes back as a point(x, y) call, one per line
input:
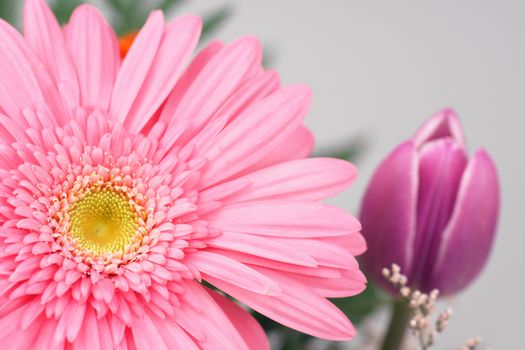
point(106, 340)
point(32, 312)
point(298, 145)
point(246, 325)
point(204, 140)
point(219, 331)
point(174, 335)
point(104, 290)
point(44, 35)
point(136, 65)
point(94, 50)
point(216, 82)
point(13, 337)
point(354, 243)
point(468, 238)
point(260, 246)
point(304, 179)
point(178, 42)
point(323, 253)
point(117, 328)
point(248, 259)
point(284, 218)
point(74, 315)
point(251, 91)
point(9, 128)
point(351, 282)
point(45, 336)
point(18, 86)
point(25, 269)
point(88, 337)
point(257, 132)
point(224, 268)
point(10, 319)
point(47, 85)
point(297, 307)
point(146, 334)
point(179, 123)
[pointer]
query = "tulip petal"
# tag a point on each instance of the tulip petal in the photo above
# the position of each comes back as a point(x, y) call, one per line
point(441, 166)
point(443, 124)
point(388, 211)
point(468, 238)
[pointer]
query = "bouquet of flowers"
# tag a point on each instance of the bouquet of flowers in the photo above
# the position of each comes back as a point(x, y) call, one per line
point(157, 195)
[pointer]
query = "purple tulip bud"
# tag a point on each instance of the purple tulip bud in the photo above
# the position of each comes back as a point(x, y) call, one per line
point(431, 210)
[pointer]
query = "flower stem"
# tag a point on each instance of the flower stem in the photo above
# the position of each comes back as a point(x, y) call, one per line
point(398, 324)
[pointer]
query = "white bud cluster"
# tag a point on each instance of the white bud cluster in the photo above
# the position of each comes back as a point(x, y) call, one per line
point(471, 344)
point(421, 306)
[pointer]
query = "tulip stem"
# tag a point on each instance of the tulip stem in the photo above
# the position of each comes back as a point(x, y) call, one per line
point(398, 324)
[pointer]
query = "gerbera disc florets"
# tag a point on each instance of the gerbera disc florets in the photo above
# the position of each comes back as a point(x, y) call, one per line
point(103, 221)
point(101, 215)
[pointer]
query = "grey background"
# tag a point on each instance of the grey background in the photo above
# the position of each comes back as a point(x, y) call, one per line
point(379, 68)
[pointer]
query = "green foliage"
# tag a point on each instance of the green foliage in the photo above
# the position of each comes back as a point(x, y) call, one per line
point(64, 8)
point(357, 308)
point(8, 10)
point(350, 150)
point(214, 20)
point(124, 15)
point(129, 15)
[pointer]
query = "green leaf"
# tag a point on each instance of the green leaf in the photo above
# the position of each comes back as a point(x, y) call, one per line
point(128, 15)
point(64, 8)
point(351, 150)
point(168, 5)
point(8, 10)
point(358, 307)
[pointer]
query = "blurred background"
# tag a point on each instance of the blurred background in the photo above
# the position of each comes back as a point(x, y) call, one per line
point(378, 69)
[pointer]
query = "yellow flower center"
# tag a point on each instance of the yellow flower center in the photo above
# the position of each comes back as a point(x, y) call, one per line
point(103, 221)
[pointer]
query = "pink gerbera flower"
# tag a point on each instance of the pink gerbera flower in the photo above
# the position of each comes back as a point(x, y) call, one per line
point(125, 183)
